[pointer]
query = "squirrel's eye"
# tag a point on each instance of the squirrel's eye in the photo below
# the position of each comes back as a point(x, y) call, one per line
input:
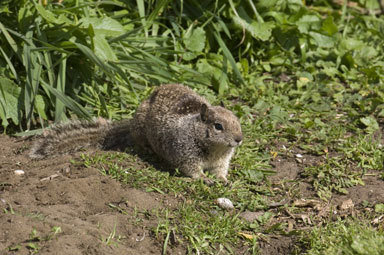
point(218, 126)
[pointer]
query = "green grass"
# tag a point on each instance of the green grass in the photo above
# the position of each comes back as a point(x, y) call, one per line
point(36, 241)
point(346, 237)
point(345, 151)
point(199, 220)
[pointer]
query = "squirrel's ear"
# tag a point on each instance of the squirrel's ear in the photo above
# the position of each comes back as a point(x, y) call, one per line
point(222, 104)
point(204, 112)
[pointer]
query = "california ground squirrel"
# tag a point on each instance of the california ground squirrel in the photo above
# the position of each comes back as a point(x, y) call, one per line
point(176, 123)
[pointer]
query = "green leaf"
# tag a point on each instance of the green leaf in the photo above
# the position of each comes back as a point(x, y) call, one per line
point(160, 5)
point(25, 17)
point(370, 123)
point(253, 175)
point(258, 30)
point(370, 4)
point(40, 107)
point(10, 65)
point(60, 86)
point(67, 101)
point(349, 44)
point(267, 3)
point(47, 15)
point(308, 22)
point(323, 41)
point(287, 36)
point(102, 48)
point(277, 114)
point(105, 26)
point(95, 59)
point(194, 39)
point(379, 208)
point(9, 38)
point(9, 102)
point(228, 55)
point(51, 17)
point(217, 77)
point(261, 31)
point(141, 9)
point(329, 26)
point(4, 9)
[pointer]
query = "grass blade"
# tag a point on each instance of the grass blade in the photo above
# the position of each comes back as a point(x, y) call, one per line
point(228, 55)
point(67, 101)
point(10, 65)
point(10, 40)
point(59, 105)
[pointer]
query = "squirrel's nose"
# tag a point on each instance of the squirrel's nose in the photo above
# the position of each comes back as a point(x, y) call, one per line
point(238, 138)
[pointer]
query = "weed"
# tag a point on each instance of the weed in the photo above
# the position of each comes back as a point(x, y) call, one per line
point(33, 236)
point(14, 247)
point(33, 247)
point(9, 209)
point(112, 239)
point(54, 232)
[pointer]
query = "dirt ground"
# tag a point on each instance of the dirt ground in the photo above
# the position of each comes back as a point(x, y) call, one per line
point(77, 202)
point(53, 193)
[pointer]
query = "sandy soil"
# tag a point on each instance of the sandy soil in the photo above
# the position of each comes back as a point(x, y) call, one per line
point(54, 193)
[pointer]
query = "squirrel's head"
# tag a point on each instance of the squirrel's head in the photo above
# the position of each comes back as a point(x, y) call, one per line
point(222, 126)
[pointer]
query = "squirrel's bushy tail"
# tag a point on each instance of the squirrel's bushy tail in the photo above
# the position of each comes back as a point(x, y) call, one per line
point(69, 137)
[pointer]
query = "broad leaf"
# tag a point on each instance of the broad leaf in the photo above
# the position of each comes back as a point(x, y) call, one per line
point(103, 26)
point(194, 39)
point(9, 102)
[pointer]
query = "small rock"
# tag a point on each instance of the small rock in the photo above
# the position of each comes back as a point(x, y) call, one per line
point(250, 216)
point(66, 170)
point(225, 203)
point(19, 172)
point(347, 204)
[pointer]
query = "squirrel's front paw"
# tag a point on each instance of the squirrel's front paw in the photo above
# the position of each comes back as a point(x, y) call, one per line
point(223, 179)
point(208, 181)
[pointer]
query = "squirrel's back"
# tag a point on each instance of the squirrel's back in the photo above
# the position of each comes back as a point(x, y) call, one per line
point(175, 99)
point(164, 106)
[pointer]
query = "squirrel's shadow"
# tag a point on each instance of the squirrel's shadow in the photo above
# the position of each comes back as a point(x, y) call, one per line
point(120, 140)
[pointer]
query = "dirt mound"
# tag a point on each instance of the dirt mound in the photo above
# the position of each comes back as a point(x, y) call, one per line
point(56, 207)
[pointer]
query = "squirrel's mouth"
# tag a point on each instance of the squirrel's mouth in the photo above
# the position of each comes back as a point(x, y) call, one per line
point(236, 142)
point(233, 144)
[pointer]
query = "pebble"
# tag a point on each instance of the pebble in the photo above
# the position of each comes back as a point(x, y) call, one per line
point(225, 203)
point(19, 172)
point(251, 216)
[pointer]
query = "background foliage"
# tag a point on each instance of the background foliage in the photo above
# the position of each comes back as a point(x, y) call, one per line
point(86, 58)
